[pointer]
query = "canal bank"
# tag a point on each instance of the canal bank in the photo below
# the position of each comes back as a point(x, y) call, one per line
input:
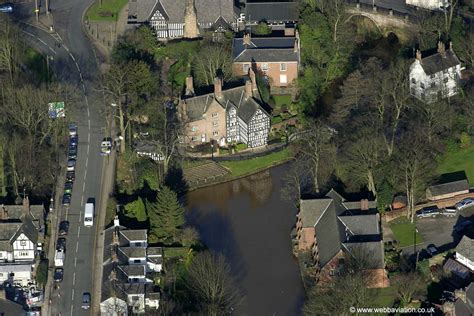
point(249, 222)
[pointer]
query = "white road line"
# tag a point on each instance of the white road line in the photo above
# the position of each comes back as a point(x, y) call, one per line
point(74, 277)
point(72, 306)
point(84, 184)
point(87, 103)
point(72, 295)
point(72, 57)
point(87, 162)
point(75, 262)
point(78, 69)
point(77, 248)
point(43, 42)
point(89, 134)
point(82, 198)
point(87, 149)
point(89, 122)
point(67, 212)
point(88, 114)
point(78, 231)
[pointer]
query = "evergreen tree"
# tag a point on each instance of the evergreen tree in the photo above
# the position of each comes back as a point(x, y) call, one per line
point(166, 215)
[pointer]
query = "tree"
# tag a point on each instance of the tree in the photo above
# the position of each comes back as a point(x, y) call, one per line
point(213, 60)
point(210, 280)
point(188, 236)
point(262, 29)
point(10, 48)
point(384, 196)
point(166, 215)
point(136, 209)
point(408, 285)
point(298, 180)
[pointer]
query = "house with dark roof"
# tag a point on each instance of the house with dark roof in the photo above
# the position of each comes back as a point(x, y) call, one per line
point(128, 269)
point(463, 304)
point(331, 229)
point(276, 14)
point(465, 252)
point(436, 76)
point(225, 116)
point(276, 58)
point(447, 190)
point(184, 18)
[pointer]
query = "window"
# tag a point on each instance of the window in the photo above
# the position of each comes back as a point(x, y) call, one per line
point(215, 123)
point(283, 67)
point(283, 79)
point(245, 68)
point(264, 66)
point(194, 128)
point(215, 133)
point(213, 115)
point(23, 243)
point(137, 261)
point(23, 253)
point(413, 80)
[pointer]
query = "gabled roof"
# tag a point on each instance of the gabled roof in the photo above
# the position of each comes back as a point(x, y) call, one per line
point(361, 224)
point(466, 248)
point(272, 11)
point(133, 270)
point(16, 211)
point(133, 252)
point(28, 228)
point(142, 10)
point(311, 210)
point(134, 234)
point(450, 187)
point(11, 308)
point(370, 253)
point(436, 62)
point(207, 11)
point(9, 229)
point(453, 266)
point(265, 49)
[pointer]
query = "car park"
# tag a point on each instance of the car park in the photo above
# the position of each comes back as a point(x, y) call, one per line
point(72, 152)
point(61, 244)
point(70, 176)
point(68, 188)
point(432, 250)
point(66, 199)
point(464, 203)
point(6, 7)
point(428, 211)
point(58, 274)
point(72, 129)
point(73, 140)
point(71, 164)
point(63, 228)
point(86, 300)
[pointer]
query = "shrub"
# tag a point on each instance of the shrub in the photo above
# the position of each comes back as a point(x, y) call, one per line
point(465, 140)
point(262, 29)
point(42, 272)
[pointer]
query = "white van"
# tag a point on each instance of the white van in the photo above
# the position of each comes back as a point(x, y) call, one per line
point(89, 214)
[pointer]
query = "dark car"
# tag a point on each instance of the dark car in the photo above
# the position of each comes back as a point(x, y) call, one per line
point(428, 211)
point(58, 274)
point(61, 244)
point(70, 176)
point(73, 140)
point(63, 228)
point(86, 300)
point(432, 250)
point(71, 164)
point(66, 199)
point(6, 7)
point(68, 187)
point(72, 152)
point(72, 129)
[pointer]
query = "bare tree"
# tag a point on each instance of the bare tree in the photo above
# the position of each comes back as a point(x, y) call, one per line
point(10, 48)
point(408, 285)
point(212, 60)
point(210, 280)
point(298, 180)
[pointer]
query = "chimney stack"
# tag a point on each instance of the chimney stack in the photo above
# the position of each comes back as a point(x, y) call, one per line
point(253, 79)
point(248, 89)
point(450, 45)
point(218, 88)
point(364, 205)
point(418, 55)
point(116, 221)
point(4, 213)
point(442, 49)
point(247, 39)
point(26, 205)
point(191, 29)
point(289, 30)
point(189, 86)
point(295, 46)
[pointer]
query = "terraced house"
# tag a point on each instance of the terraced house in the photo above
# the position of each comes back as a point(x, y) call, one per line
point(225, 116)
point(183, 18)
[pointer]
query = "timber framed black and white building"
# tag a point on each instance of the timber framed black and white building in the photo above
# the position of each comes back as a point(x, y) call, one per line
point(173, 19)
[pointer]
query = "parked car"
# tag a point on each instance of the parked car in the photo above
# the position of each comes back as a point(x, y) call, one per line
point(428, 211)
point(61, 244)
point(6, 7)
point(71, 164)
point(72, 152)
point(464, 203)
point(86, 300)
point(73, 140)
point(449, 212)
point(72, 129)
point(432, 250)
point(58, 274)
point(70, 176)
point(66, 199)
point(63, 228)
point(106, 146)
point(68, 188)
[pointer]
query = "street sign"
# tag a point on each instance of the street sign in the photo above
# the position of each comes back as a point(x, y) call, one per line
point(56, 109)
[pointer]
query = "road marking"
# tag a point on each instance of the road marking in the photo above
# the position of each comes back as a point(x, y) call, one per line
point(72, 57)
point(82, 198)
point(87, 102)
point(87, 149)
point(77, 247)
point(87, 161)
point(72, 306)
point(75, 262)
point(88, 113)
point(43, 42)
point(84, 184)
point(78, 231)
point(89, 121)
point(72, 296)
point(74, 277)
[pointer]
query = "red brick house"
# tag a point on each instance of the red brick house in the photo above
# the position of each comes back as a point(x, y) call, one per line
point(332, 229)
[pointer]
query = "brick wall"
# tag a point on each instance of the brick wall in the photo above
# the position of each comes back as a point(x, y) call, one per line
point(273, 72)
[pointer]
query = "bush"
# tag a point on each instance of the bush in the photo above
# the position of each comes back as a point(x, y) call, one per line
point(42, 272)
point(262, 29)
point(465, 140)
point(276, 119)
point(241, 146)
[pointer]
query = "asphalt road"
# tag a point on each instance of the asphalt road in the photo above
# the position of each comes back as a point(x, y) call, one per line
point(74, 62)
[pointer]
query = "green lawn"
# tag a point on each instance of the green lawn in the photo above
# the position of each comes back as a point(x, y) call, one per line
point(281, 100)
point(383, 297)
point(170, 252)
point(404, 232)
point(242, 167)
point(458, 160)
point(108, 11)
point(186, 164)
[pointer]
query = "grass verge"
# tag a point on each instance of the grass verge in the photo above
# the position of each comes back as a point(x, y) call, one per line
point(242, 167)
point(404, 232)
point(383, 297)
point(105, 10)
point(458, 160)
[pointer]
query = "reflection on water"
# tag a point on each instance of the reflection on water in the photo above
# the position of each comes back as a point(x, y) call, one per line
point(249, 222)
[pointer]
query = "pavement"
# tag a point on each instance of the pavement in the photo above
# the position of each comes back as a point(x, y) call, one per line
point(74, 62)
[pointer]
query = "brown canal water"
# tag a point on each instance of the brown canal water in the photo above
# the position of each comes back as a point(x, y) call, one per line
point(249, 222)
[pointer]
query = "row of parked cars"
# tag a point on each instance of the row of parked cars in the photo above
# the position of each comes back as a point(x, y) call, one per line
point(431, 211)
point(71, 163)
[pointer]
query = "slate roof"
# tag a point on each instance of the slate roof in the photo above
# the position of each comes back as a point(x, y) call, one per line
point(133, 252)
point(272, 12)
point(436, 62)
point(337, 228)
point(134, 235)
point(371, 253)
point(28, 228)
point(356, 205)
point(8, 307)
point(455, 267)
point(8, 230)
point(466, 308)
point(142, 9)
point(133, 270)
point(246, 107)
point(466, 248)
point(450, 187)
point(265, 49)
point(15, 211)
point(207, 11)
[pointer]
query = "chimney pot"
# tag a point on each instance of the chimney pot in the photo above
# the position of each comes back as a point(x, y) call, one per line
point(247, 39)
point(253, 79)
point(364, 205)
point(218, 87)
point(442, 49)
point(418, 55)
